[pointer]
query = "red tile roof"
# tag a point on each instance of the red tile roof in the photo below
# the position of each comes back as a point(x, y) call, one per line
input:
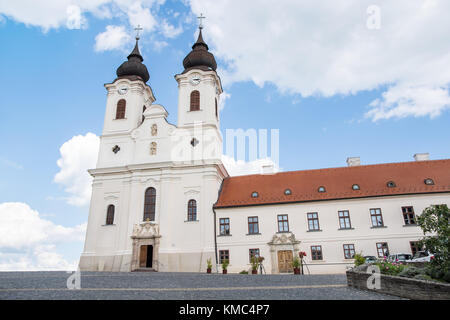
point(408, 176)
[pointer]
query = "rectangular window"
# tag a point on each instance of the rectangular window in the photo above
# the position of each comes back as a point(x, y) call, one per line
point(283, 223)
point(224, 255)
point(408, 215)
point(316, 252)
point(224, 226)
point(253, 227)
point(344, 220)
point(376, 217)
point(382, 249)
point(415, 247)
point(253, 253)
point(313, 221)
point(349, 251)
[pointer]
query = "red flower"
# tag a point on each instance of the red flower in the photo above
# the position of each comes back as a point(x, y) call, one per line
point(302, 254)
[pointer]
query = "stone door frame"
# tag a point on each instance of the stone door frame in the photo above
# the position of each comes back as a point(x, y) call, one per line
point(145, 234)
point(280, 242)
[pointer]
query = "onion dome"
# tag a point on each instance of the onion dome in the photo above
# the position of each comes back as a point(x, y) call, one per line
point(134, 67)
point(200, 57)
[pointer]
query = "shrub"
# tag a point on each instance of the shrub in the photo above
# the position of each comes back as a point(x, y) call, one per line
point(411, 272)
point(390, 268)
point(243, 272)
point(422, 276)
point(359, 259)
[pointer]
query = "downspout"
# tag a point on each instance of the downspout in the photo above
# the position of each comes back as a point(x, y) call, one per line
point(215, 226)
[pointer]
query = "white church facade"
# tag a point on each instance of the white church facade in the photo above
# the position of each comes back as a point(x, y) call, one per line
point(162, 199)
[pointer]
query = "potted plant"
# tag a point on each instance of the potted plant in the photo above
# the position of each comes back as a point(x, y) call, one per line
point(296, 264)
point(209, 265)
point(225, 264)
point(255, 263)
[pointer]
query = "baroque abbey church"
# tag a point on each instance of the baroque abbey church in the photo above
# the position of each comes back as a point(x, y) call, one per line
point(162, 199)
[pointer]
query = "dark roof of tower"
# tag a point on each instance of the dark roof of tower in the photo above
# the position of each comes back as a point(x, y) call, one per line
point(134, 67)
point(200, 57)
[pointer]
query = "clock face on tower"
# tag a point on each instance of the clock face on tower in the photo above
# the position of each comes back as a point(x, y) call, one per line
point(123, 90)
point(195, 79)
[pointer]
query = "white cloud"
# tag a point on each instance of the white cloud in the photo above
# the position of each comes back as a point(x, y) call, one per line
point(28, 242)
point(115, 37)
point(12, 164)
point(223, 98)
point(320, 48)
point(75, 19)
point(240, 167)
point(77, 156)
point(169, 30)
point(403, 101)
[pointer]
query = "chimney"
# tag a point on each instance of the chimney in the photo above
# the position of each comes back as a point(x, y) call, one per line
point(353, 161)
point(268, 168)
point(421, 156)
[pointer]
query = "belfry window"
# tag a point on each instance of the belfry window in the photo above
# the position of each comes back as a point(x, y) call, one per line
point(217, 112)
point(192, 210)
point(195, 100)
point(120, 111)
point(149, 204)
point(110, 215)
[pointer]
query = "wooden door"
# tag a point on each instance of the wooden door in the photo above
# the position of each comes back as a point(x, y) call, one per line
point(285, 261)
point(143, 257)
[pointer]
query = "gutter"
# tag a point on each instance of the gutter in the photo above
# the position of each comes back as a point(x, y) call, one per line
point(215, 225)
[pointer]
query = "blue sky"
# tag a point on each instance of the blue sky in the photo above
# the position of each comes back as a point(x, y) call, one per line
point(313, 92)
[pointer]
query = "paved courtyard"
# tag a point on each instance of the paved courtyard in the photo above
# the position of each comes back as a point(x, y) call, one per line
point(176, 286)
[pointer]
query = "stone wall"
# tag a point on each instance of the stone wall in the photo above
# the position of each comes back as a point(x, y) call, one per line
point(402, 287)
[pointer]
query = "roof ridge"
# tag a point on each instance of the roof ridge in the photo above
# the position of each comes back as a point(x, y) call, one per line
point(346, 168)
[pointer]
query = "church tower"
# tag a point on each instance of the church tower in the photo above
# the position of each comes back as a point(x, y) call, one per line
point(155, 183)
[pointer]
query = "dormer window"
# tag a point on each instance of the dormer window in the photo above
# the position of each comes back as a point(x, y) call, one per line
point(429, 181)
point(287, 192)
point(391, 184)
point(355, 187)
point(321, 189)
point(254, 194)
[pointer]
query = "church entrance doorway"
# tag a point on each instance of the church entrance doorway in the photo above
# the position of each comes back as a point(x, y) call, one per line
point(285, 261)
point(146, 256)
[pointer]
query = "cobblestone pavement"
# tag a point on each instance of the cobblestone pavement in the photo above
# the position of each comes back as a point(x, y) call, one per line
point(178, 286)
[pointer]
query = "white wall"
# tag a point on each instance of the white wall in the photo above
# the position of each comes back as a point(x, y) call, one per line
point(330, 238)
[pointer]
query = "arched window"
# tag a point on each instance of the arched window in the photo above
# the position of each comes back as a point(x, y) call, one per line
point(143, 110)
point(192, 210)
point(149, 204)
point(120, 111)
point(217, 113)
point(110, 214)
point(195, 100)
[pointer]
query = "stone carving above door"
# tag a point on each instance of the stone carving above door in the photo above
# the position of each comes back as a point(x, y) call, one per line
point(283, 239)
point(147, 229)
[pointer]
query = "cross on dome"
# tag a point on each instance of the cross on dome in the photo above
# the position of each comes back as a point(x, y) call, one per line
point(200, 26)
point(138, 28)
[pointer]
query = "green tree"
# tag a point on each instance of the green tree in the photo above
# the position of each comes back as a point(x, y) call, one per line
point(435, 220)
